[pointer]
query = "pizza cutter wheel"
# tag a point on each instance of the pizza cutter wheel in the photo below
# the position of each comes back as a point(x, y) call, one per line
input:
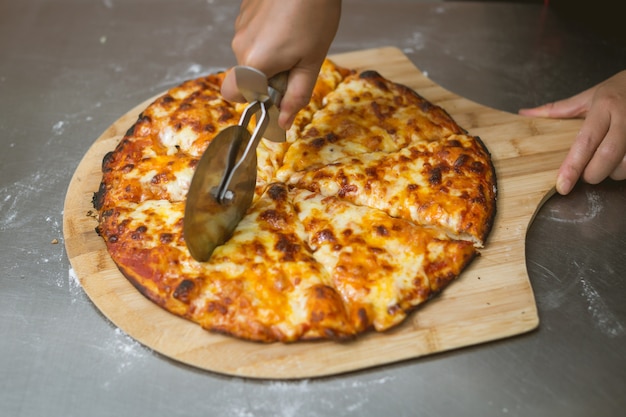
point(222, 187)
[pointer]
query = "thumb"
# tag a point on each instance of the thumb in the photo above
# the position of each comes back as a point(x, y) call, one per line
point(229, 88)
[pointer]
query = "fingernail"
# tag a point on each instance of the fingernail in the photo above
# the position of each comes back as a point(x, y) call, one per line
point(286, 121)
point(563, 186)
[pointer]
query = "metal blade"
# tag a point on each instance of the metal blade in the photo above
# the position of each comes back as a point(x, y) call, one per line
point(208, 222)
point(277, 88)
point(222, 188)
point(274, 132)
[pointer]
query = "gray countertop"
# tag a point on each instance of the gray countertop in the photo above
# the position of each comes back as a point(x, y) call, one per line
point(70, 68)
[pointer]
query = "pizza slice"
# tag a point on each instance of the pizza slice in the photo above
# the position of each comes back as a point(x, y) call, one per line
point(366, 113)
point(187, 117)
point(329, 78)
point(382, 266)
point(264, 284)
point(145, 240)
point(270, 155)
point(448, 184)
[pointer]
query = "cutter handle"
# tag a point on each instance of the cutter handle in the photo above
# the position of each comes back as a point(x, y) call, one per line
point(278, 86)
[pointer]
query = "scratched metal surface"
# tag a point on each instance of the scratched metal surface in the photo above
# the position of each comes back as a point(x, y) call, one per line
point(69, 68)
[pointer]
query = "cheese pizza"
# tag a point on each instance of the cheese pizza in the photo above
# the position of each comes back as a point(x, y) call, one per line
point(375, 203)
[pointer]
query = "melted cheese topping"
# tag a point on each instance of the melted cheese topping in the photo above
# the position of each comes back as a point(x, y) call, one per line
point(377, 262)
point(365, 114)
point(445, 183)
point(375, 202)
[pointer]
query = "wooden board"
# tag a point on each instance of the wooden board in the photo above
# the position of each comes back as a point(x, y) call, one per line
point(492, 299)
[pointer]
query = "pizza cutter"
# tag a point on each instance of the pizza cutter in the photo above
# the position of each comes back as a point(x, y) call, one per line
point(223, 184)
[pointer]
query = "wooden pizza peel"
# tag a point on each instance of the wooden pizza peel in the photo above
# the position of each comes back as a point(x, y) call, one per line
point(491, 300)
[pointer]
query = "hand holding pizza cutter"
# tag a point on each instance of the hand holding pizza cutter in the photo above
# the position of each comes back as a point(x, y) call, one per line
point(223, 184)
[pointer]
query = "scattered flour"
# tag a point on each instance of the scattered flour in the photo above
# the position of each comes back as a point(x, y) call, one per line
point(59, 127)
point(554, 295)
point(37, 228)
point(75, 287)
point(603, 317)
point(416, 42)
point(127, 354)
point(126, 348)
point(290, 399)
point(592, 210)
point(15, 196)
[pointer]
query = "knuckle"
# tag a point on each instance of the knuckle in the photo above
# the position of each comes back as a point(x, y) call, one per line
point(585, 142)
point(608, 151)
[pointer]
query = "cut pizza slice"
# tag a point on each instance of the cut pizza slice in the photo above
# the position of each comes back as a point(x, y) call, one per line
point(449, 184)
point(264, 284)
point(366, 113)
point(158, 177)
point(382, 266)
point(330, 76)
point(146, 241)
point(187, 117)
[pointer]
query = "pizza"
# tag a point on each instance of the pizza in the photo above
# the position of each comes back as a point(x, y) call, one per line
point(376, 202)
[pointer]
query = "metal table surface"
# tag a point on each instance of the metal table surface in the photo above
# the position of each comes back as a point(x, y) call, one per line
point(69, 68)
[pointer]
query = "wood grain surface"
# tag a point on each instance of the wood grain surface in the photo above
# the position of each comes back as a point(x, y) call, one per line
point(492, 299)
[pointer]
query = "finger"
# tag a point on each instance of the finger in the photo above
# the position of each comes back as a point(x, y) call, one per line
point(229, 88)
point(619, 173)
point(573, 165)
point(575, 106)
point(298, 94)
point(611, 149)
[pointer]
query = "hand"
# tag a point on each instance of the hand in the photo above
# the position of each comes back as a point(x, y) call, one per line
point(277, 35)
point(599, 150)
